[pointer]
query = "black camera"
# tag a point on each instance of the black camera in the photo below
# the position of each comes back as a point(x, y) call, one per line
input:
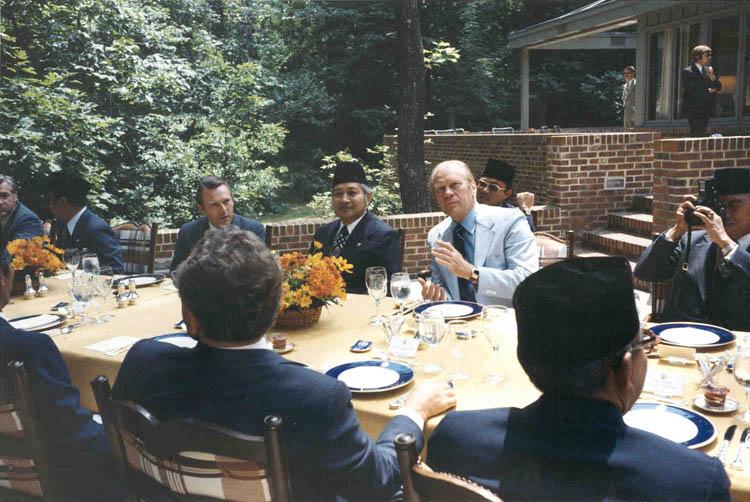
point(708, 195)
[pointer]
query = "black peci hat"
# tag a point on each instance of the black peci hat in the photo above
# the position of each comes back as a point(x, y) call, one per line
point(575, 311)
point(732, 181)
point(349, 171)
point(499, 170)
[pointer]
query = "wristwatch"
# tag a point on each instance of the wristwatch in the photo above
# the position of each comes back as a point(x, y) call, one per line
point(475, 277)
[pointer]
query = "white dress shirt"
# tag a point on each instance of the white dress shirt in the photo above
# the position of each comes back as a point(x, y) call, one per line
point(74, 221)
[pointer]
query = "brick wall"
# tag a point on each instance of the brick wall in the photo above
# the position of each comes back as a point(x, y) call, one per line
point(680, 163)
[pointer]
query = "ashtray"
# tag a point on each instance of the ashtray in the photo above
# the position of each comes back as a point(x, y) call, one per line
point(730, 405)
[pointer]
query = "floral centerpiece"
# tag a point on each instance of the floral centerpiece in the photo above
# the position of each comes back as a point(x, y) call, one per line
point(32, 257)
point(312, 281)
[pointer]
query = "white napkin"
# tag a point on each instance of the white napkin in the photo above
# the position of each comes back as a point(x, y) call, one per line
point(35, 322)
point(113, 345)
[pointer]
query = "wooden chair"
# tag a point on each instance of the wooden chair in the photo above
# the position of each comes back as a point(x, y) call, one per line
point(138, 246)
point(659, 295)
point(24, 456)
point(189, 458)
point(269, 236)
point(422, 483)
point(553, 249)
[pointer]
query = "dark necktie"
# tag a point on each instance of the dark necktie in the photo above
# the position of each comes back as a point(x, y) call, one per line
point(465, 287)
point(340, 241)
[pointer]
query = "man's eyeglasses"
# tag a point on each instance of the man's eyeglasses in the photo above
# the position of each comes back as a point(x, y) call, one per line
point(484, 185)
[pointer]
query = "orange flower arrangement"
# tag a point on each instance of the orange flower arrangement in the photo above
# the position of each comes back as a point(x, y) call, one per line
point(312, 281)
point(35, 254)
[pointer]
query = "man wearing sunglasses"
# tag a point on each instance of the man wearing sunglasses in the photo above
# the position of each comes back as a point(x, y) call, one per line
point(579, 341)
point(700, 84)
point(495, 188)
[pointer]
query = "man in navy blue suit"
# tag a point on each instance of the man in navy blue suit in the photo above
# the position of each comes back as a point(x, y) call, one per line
point(77, 444)
point(579, 342)
point(215, 202)
point(230, 287)
point(363, 239)
point(18, 221)
point(78, 227)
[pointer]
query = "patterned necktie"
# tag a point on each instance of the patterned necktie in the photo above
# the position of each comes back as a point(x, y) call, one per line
point(465, 287)
point(340, 241)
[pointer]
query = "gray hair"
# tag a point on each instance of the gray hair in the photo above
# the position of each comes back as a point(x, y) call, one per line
point(452, 163)
point(4, 178)
point(232, 284)
point(366, 188)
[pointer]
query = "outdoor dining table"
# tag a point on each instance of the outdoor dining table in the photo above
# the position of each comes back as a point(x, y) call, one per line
point(327, 344)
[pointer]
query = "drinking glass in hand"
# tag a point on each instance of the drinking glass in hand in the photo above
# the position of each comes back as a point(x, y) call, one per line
point(492, 325)
point(432, 331)
point(72, 257)
point(376, 279)
point(90, 264)
point(400, 288)
point(742, 375)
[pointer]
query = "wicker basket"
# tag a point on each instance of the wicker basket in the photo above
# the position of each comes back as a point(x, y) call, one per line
point(298, 318)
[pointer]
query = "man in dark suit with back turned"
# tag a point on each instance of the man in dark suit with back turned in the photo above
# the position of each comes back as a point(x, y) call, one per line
point(710, 272)
point(18, 221)
point(363, 239)
point(579, 342)
point(230, 287)
point(78, 227)
point(77, 443)
point(214, 201)
point(700, 85)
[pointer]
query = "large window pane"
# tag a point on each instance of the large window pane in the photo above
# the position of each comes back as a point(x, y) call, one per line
point(687, 37)
point(657, 109)
point(725, 45)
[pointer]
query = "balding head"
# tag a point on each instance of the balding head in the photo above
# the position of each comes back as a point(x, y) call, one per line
point(452, 165)
point(454, 188)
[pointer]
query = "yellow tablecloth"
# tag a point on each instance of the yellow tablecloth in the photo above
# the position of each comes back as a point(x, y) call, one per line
point(327, 344)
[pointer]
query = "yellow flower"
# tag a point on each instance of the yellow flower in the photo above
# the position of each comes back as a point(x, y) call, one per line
point(317, 245)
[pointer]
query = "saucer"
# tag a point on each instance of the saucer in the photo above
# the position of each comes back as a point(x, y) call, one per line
point(289, 347)
point(730, 405)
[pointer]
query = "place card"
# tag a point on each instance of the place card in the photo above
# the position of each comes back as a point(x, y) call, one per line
point(662, 383)
point(673, 354)
point(404, 347)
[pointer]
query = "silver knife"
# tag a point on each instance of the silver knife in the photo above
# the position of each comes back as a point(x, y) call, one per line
point(728, 435)
point(738, 463)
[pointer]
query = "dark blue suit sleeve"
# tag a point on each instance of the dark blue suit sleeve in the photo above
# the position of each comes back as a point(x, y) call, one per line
point(364, 469)
point(26, 226)
point(181, 249)
point(392, 252)
point(658, 262)
point(107, 247)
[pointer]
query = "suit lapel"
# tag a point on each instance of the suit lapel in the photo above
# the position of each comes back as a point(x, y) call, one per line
point(484, 234)
point(78, 231)
point(358, 238)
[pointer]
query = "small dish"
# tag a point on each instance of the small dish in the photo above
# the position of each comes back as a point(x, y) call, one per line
point(730, 405)
point(290, 346)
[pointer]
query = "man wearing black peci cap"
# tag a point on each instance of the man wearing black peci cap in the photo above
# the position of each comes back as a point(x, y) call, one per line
point(77, 226)
point(495, 188)
point(363, 239)
point(710, 270)
point(580, 345)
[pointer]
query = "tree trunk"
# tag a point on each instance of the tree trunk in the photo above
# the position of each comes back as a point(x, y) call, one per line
point(415, 196)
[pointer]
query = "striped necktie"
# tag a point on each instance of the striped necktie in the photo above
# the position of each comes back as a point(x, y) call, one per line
point(340, 241)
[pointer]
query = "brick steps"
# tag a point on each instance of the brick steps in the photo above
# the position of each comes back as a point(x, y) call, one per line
point(631, 222)
point(643, 203)
point(616, 243)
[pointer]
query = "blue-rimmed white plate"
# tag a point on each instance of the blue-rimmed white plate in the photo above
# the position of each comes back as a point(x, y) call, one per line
point(37, 322)
point(179, 339)
point(366, 377)
point(692, 334)
point(452, 310)
point(672, 422)
point(140, 280)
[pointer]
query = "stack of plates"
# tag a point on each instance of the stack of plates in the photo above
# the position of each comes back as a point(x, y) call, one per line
point(37, 322)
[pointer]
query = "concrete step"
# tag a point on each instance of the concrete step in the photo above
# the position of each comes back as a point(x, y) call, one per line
point(615, 243)
point(643, 203)
point(631, 222)
point(586, 252)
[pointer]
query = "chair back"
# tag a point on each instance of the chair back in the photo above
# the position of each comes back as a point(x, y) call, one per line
point(553, 249)
point(24, 456)
point(422, 483)
point(659, 296)
point(191, 457)
point(138, 246)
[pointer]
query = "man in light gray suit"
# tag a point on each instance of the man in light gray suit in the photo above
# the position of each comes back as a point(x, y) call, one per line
point(479, 253)
point(628, 97)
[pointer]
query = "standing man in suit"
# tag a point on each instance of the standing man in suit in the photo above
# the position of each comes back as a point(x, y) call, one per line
point(709, 265)
point(78, 227)
point(363, 239)
point(579, 342)
point(495, 188)
point(700, 85)
point(77, 444)
point(18, 221)
point(230, 287)
point(628, 98)
point(214, 201)
point(479, 253)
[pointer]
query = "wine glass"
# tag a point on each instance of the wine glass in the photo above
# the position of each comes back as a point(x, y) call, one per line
point(492, 325)
point(81, 290)
point(102, 284)
point(400, 288)
point(431, 325)
point(90, 264)
point(461, 332)
point(376, 279)
point(72, 257)
point(742, 375)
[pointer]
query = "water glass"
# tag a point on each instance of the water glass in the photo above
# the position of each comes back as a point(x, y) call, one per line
point(461, 333)
point(431, 326)
point(81, 291)
point(376, 280)
point(103, 291)
point(392, 326)
point(90, 264)
point(72, 258)
point(493, 317)
point(400, 288)
point(742, 375)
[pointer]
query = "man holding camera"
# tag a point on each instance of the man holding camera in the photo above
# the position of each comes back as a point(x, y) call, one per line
point(709, 266)
point(700, 86)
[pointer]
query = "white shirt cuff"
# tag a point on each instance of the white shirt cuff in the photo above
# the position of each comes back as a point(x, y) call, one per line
point(413, 415)
point(729, 250)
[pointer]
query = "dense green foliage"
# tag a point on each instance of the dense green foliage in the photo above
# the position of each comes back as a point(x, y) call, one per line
point(145, 96)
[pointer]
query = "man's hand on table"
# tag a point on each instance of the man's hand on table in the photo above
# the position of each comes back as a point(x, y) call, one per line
point(431, 398)
point(432, 292)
